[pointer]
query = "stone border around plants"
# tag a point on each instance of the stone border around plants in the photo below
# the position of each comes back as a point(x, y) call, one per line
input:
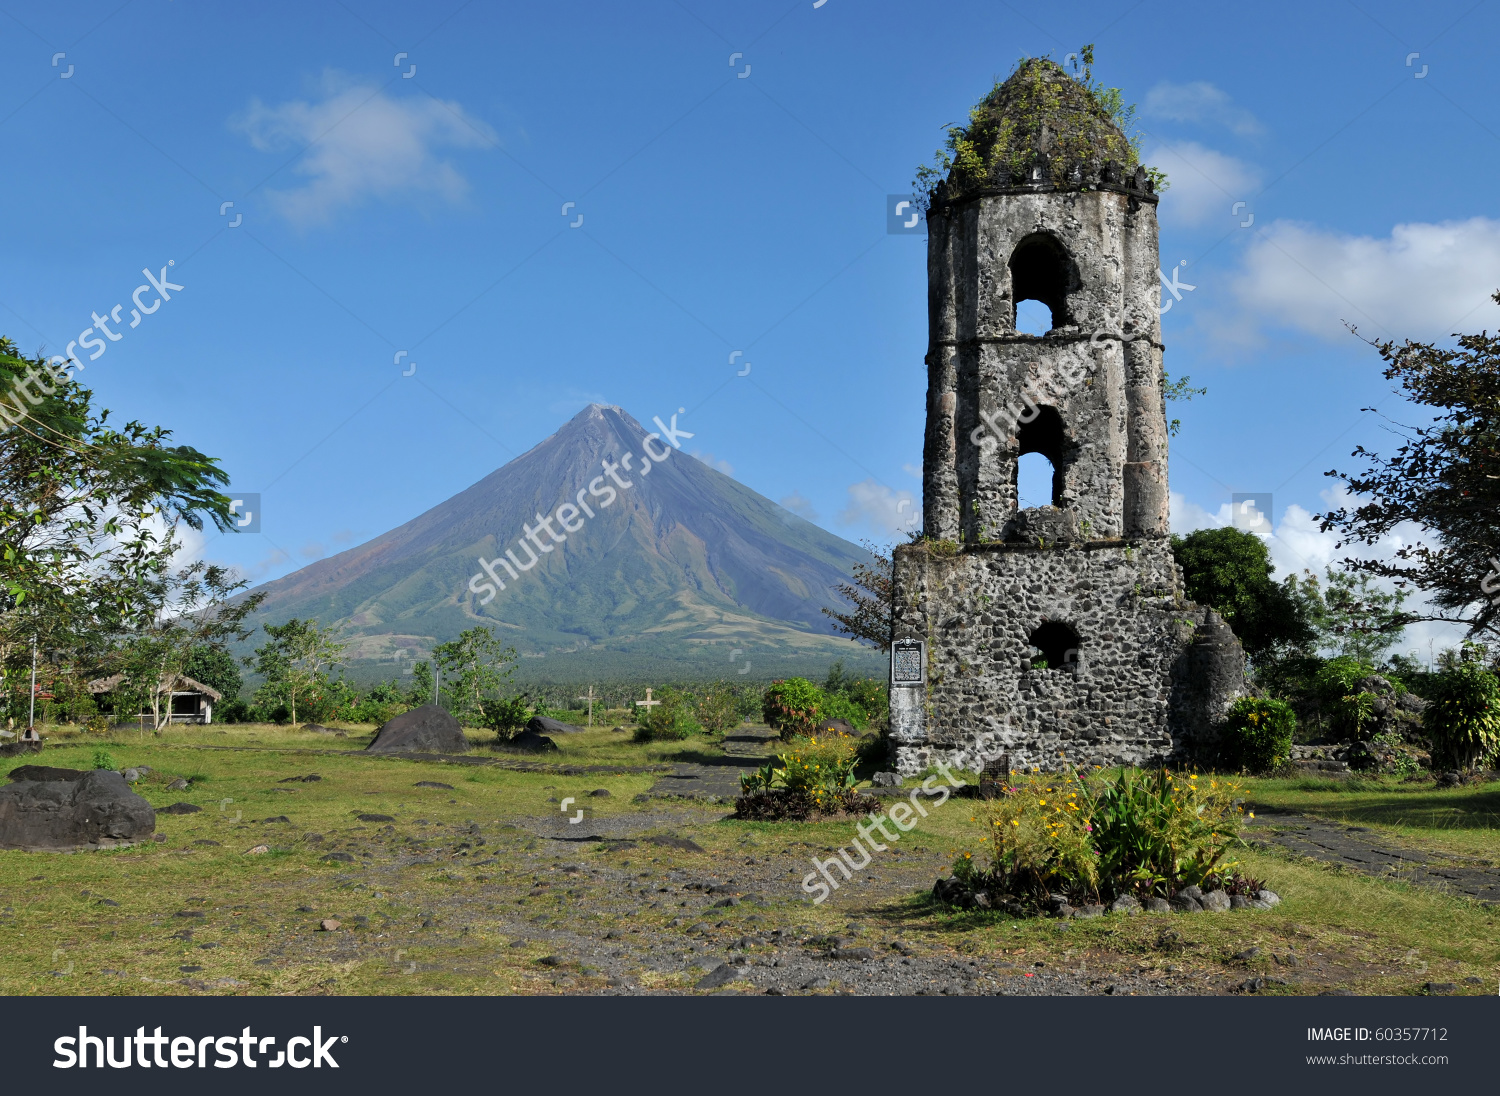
point(1192, 899)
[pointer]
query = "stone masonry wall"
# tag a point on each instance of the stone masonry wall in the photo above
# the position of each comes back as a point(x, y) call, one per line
point(1119, 704)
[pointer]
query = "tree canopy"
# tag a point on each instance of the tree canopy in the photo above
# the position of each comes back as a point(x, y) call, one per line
point(1444, 478)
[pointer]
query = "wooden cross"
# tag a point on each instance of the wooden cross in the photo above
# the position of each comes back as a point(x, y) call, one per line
point(590, 698)
point(648, 703)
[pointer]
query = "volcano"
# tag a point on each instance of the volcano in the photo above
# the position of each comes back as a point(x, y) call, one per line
point(602, 551)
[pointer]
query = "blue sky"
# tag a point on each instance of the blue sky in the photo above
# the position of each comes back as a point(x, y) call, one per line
point(382, 207)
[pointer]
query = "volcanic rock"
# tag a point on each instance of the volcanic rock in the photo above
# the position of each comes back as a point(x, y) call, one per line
point(428, 729)
point(46, 808)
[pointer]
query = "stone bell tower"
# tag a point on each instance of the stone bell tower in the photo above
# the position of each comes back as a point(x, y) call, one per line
point(1061, 630)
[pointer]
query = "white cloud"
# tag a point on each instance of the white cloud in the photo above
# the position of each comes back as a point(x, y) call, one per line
point(912, 470)
point(800, 505)
point(876, 505)
point(1199, 102)
point(712, 461)
point(362, 143)
point(1204, 184)
point(1422, 281)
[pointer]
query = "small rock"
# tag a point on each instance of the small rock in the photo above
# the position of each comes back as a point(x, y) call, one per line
point(131, 775)
point(1127, 904)
point(1438, 989)
point(375, 818)
point(819, 982)
point(180, 808)
point(112, 902)
point(340, 857)
point(730, 901)
point(258, 850)
point(852, 953)
point(701, 926)
point(1186, 903)
point(1193, 891)
point(1215, 901)
point(1474, 981)
point(886, 780)
point(1248, 953)
point(277, 819)
point(177, 785)
point(1252, 985)
point(1156, 904)
point(599, 793)
point(1240, 902)
point(1092, 909)
point(551, 960)
point(720, 975)
point(329, 924)
point(433, 784)
point(1269, 897)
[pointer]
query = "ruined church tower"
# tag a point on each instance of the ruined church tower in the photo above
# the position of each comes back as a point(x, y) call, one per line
point(1061, 629)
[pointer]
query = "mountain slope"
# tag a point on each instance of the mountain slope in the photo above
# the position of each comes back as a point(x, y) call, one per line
point(669, 575)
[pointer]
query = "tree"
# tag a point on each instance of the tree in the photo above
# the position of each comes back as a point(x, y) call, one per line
point(88, 514)
point(1352, 617)
point(1230, 571)
point(869, 621)
point(474, 667)
point(1444, 478)
point(216, 668)
point(194, 609)
point(295, 661)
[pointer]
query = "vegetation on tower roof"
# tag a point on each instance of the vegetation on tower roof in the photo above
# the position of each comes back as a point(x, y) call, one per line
point(1039, 113)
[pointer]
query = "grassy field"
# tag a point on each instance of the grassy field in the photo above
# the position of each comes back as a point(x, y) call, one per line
point(436, 899)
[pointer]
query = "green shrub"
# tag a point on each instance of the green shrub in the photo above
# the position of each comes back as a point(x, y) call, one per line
point(1257, 736)
point(717, 708)
point(671, 720)
point(817, 772)
point(1462, 717)
point(1102, 834)
point(841, 706)
point(792, 706)
point(1336, 684)
point(103, 760)
point(505, 717)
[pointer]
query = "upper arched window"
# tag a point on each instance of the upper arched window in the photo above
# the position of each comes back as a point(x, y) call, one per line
point(1041, 271)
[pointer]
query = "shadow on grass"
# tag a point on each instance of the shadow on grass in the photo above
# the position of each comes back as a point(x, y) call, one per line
point(1426, 807)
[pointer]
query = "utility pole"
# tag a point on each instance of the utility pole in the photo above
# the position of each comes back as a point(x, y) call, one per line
point(437, 682)
point(31, 719)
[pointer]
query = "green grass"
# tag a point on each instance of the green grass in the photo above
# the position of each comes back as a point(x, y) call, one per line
point(1458, 820)
point(434, 928)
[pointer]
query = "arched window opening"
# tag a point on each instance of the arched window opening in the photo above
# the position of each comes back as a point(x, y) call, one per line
point(1041, 271)
point(1054, 646)
point(1042, 436)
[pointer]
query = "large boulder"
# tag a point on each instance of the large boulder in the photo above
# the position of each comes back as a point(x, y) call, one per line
point(49, 809)
point(530, 741)
point(428, 729)
point(540, 724)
